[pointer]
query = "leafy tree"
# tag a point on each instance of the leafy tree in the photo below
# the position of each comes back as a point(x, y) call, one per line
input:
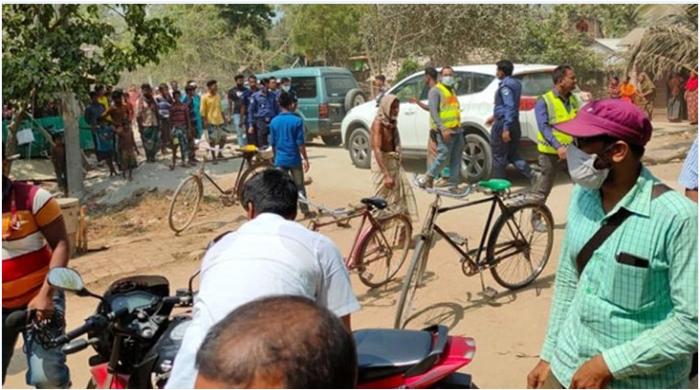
point(324, 31)
point(615, 19)
point(671, 41)
point(257, 17)
point(408, 67)
point(49, 49)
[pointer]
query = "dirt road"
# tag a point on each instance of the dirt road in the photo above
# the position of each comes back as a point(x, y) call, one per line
point(508, 330)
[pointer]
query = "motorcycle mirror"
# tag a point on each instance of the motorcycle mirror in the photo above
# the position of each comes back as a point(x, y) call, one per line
point(66, 279)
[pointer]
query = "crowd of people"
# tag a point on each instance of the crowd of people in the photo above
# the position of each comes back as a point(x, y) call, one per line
point(169, 118)
point(624, 310)
point(682, 98)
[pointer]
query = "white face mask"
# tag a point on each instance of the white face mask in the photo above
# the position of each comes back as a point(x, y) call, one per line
point(285, 88)
point(448, 80)
point(582, 169)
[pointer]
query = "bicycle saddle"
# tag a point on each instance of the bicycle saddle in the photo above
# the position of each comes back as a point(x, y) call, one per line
point(375, 202)
point(495, 185)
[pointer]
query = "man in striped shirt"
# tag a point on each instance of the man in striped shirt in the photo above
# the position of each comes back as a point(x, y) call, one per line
point(625, 309)
point(34, 239)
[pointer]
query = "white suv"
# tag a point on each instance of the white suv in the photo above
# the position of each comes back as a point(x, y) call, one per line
point(476, 87)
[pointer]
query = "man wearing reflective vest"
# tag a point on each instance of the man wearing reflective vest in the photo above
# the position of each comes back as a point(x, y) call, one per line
point(34, 240)
point(445, 119)
point(556, 106)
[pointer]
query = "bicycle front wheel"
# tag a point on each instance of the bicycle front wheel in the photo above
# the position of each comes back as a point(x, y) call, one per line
point(520, 244)
point(252, 169)
point(412, 281)
point(384, 250)
point(185, 203)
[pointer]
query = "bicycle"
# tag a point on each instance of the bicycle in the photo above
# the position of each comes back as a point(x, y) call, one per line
point(506, 239)
point(381, 243)
point(190, 191)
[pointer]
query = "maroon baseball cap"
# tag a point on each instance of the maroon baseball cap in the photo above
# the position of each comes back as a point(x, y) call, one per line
point(612, 117)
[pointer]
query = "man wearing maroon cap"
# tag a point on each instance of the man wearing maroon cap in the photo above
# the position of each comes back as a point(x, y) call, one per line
point(624, 313)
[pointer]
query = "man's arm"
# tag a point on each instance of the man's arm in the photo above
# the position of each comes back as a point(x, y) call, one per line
point(510, 110)
point(434, 105)
point(543, 123)
point(301, 144)
point(53, 227)
point(677, 335)
point(252, 108)
point(335, 291)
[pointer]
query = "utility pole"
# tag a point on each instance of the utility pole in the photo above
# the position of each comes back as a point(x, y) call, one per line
point(74, 160)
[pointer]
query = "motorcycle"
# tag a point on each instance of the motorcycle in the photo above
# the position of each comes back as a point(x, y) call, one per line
point(136, 338)
point(133, 332)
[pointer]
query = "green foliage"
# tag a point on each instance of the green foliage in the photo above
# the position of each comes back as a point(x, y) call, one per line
point(55, 48)
point(615, 20)
point(256, 17)
point(408, 67)
point(325, 32)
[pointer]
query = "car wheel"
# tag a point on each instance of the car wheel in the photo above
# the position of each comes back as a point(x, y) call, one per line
point(358, 146)
point(332, 139)
point(353, 98)
point(476, 158)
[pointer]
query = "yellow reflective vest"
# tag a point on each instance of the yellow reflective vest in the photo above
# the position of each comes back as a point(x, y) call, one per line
point(556, 113)
point(449, 109)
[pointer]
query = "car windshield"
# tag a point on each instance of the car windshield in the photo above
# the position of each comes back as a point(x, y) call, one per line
point(413, 88)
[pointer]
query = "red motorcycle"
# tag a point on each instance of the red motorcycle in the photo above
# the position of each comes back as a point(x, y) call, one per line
point(136, 338)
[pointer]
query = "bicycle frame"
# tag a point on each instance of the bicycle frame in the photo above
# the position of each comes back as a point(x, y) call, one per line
point(201, 172)
point(361, 234)
point(435, 210)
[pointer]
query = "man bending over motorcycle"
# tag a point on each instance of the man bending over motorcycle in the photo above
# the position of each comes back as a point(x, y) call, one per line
point(278, 342)
point(268, 255)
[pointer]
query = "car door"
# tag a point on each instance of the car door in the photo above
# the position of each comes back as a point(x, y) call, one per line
point(412, 119)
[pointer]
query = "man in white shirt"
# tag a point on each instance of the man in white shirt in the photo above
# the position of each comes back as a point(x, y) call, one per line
point(268, 255)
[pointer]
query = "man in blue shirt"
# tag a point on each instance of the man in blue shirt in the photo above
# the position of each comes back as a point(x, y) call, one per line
point(245, 103)
point(262, 108)
point(287, 140)
point(505, 133)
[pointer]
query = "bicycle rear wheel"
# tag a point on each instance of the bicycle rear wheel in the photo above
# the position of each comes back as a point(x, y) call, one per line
point(412, 281)
point(185, 203)
point(384, 250)
point(252, 169)
point(520, 244)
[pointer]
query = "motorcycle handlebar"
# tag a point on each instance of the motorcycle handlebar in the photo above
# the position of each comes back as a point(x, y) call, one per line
point(17, 319)
point(96, 321)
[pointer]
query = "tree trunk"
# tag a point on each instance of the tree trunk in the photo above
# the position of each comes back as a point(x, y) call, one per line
point(74, 161)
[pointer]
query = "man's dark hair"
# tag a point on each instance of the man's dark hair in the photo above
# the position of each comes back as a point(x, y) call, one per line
point(264, 81)
point(117, 96)
point(559, 72)
point(177, 93)
point(445, 68)
point(272, 191)
point(286, 100)
point(93, 94)
point(284, 79)
point(286, 338)
point(210, 83)
point(99, 88)
point(505, 66)
point(252, 76)
point(637, 150)
point(380, 77)
point(238, 77)
point(432, 73)
point(145, 86)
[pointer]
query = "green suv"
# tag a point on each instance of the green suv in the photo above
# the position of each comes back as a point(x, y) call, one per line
point(325, 94)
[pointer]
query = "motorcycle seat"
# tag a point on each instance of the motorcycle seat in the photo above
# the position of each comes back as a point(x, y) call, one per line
point(386, 352)
point(375, 202)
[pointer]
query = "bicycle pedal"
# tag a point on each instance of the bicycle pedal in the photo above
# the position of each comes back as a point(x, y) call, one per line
point(489, 293)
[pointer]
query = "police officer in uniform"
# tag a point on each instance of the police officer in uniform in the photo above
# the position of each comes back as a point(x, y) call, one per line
point(263, 107)
point(556, 106)
point(505, 132)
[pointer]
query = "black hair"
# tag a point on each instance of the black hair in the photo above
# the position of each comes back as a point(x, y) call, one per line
point(286, 100)
point(238, 77)
point(145, 86)
point(380, 77)
point(616, 78)
point(559, 72)
point(607, 140)
point(93, 94)
point(284, 79)
point(117, 95)
point(272, 191)
point(264, 81)
point(177, 92)
point(99, 87)
point(252, 76)
point(445, 68)
point(210, 83)
point(505, 66)
point(309, 345)
point(163, 85)
point(431, 72)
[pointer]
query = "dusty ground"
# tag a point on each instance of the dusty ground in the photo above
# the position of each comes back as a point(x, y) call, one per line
point(508, 330)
